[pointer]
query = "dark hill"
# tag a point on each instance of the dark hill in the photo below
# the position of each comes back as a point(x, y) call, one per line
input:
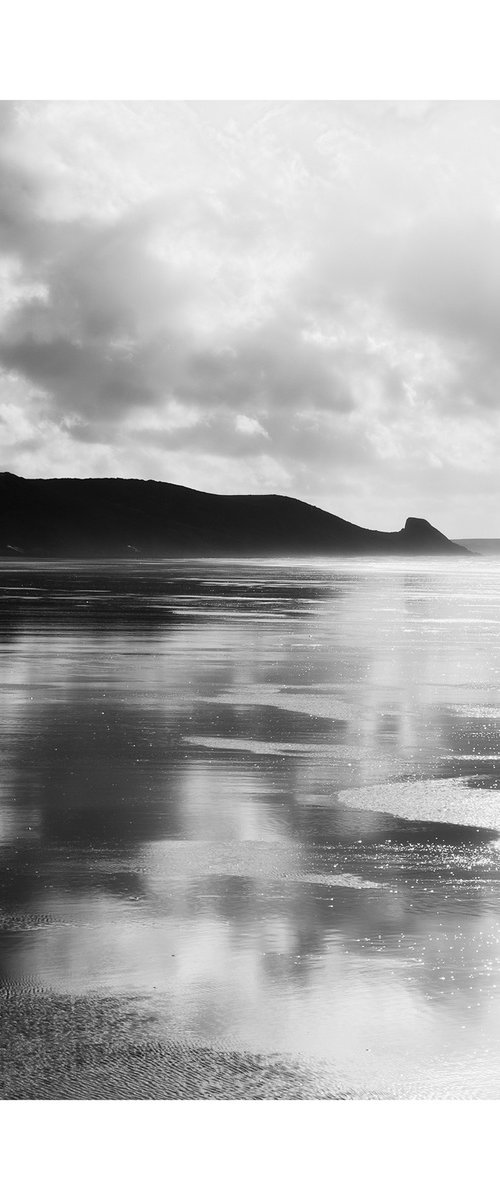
point(65, 518)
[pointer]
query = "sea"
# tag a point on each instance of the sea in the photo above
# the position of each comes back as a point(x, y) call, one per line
point(250, 829)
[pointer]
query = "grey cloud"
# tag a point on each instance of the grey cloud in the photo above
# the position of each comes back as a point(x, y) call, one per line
point(329, 271)
point(114, 332)
point(447, 277)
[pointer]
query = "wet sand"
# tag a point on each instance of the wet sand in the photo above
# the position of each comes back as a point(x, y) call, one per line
point(249, 830)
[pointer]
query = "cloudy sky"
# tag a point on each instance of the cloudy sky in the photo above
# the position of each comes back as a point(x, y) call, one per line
point(292, 297)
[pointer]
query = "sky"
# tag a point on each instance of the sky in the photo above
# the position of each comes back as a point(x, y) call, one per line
point(294, 297)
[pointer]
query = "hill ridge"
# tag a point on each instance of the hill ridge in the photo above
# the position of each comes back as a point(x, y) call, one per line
point(118, 517)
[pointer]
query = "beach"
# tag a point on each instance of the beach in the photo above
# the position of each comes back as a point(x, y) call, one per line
point(249, 829)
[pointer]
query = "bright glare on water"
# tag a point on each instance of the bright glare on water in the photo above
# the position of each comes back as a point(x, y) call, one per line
point(248, 829)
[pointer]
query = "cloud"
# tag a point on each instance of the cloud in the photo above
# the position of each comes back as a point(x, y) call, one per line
point(183, 285)
point(249, 426)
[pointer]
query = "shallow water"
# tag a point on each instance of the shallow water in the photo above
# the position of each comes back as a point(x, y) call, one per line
point(250, 829)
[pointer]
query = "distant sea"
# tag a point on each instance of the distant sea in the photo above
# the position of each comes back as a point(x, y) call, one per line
point(480, 545)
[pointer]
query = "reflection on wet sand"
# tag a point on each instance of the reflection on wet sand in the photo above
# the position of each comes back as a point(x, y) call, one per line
point(251, 808)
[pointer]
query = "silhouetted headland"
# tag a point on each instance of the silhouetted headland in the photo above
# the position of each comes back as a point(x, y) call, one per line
point(126, 518)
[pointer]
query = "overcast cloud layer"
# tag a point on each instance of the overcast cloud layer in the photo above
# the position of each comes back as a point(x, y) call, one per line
point(302, 298)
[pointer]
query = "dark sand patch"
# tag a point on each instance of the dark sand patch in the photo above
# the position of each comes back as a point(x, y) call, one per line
point(95, 1048)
